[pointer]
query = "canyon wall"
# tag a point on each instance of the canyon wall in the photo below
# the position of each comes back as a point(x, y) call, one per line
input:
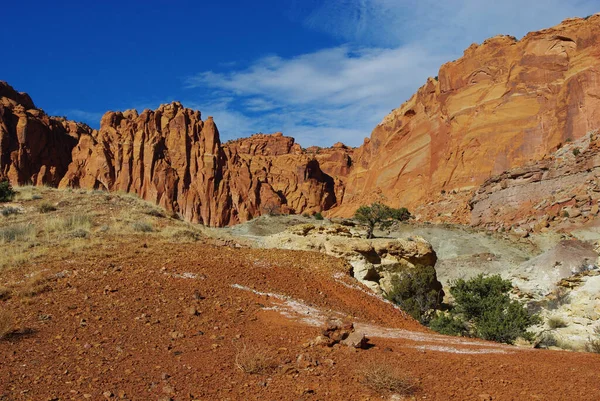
point(504, 105)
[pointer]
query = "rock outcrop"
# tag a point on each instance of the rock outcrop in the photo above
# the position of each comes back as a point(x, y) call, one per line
point(171, 157)
point(374, 262)
point(503, 104)
point(34, 148)
point(562, 191)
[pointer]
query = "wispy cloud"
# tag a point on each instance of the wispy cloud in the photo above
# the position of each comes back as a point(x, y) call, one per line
point(89, 117)
point(341, 93)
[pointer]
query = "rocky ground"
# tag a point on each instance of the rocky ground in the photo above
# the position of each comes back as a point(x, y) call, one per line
point(111, 309)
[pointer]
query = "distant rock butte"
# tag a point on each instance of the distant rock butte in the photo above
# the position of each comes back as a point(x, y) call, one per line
point(504, 105)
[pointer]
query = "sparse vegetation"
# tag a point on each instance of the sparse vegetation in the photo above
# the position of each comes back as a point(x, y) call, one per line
point(7, 192)
point(318, 216)
point(378, 214)
point(17, 232)
point(559, 297)
point(9, 210)
point(46, 207)
point(484, 306)
point(576, 152)
point(6, 324)
point(387, 379)
point(142, 226)
point(253, 360)
point(155, 212)
point(556, 322)
point(412, 291)
point(593, 344)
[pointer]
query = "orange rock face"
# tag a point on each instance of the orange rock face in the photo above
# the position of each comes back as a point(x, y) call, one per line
point(171, 157)
point(34, 148)
point(503, 104)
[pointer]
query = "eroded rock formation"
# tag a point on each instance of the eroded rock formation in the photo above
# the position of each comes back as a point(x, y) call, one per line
point(171, 157)
point(34, 148)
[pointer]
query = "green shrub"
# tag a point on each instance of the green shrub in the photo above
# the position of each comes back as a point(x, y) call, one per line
point(413, 291)
point(448, 324)
point(20, 232)
point(483, 302)
point(318, 216)
point(378, 214)
point(6, 191)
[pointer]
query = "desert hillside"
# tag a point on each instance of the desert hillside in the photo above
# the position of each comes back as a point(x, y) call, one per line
point(104, 296)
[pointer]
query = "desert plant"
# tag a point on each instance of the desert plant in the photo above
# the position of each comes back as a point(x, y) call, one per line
point(46, 207)
point(253, 360)
point(556, 322)
point(413, 291)
point(8, 210)
point(6, 324)
point(576, 152)
point(272, 209)
point(385, 378)
point(142, 226)
point(7, 192)
point(155, 212)
point(19, 232)
point(593, 344)
point(318, 216)
point(76, 221)
point(378, 214)
point(446, 323)
point(484, 303)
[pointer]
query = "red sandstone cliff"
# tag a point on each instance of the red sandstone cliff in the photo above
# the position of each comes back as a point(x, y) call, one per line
point(171, 157)
point(503, 104)
point(34, 148)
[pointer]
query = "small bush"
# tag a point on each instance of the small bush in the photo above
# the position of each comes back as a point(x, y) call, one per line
point(7, 192)
point(593, 344)
point(547, 340)
point(154, 212)
point(556, 322)
point(484, 304)
point(6, 324)
point(253, 360)
point(142, 226)
point(318, 216)
point(46, 207)
point(384, 378)
point(8, 210)
point(413, 291)
point(36, 196)
point(576, 152)
point(448, 325)
point(19, 232)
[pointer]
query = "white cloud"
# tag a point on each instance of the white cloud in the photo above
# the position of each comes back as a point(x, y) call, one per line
point(341, 93)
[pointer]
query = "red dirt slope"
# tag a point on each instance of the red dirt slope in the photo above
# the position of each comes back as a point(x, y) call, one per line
point(144, 319)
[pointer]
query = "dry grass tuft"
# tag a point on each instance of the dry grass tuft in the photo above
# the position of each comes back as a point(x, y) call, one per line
point(556, 322)
point(593, 344)
point(384, 378)
point(46, 207)
point(34, 285)
point(17, 232)
point(253, 360)
point(6, 324)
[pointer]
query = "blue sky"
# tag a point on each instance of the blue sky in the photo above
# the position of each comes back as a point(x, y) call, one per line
point(319, 70)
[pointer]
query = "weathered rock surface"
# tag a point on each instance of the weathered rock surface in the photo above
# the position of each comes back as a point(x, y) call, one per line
point(374, 261)
point(560, 192)
point(34, 148)
point(173, 158)
point(503, 104)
